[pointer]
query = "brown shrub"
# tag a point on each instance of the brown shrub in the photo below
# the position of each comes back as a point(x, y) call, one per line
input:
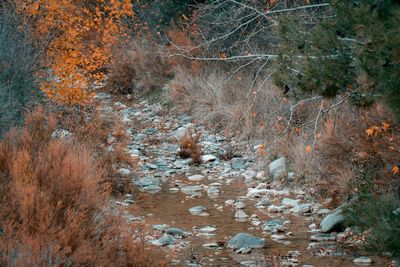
point(189, 147)
point(137, 68)
point(52, 203)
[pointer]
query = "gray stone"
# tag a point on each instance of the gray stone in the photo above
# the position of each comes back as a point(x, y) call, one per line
point(333, 221)
point(323, 237)
point(60, 133)
point(208, 158)
point(191, 189)
point(165, 240)
point(207, 229)
point(239, 205)
point(244, 240)
point(196, 177)
point(270, 226)
point(241, 215)
point(213, 192)
point(102, 96)
point(277, 168)
point(303, 208)
point(211, 245)
point(198, 210)
point(124, 171)
point(265, 201)
point(288, 202)
point(151, 188)
point(362, 260)
point(238, 164)
point(176, 232)
point(249, 174)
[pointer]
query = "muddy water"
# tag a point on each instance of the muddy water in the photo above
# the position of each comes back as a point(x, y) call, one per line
point(172, 209)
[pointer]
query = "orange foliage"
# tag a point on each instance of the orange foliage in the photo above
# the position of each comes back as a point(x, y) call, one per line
point(82, 36)
point(52, 203)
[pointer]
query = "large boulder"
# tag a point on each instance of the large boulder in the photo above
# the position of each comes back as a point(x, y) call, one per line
point(334, 221)
point(277, 168)
point(244, 240)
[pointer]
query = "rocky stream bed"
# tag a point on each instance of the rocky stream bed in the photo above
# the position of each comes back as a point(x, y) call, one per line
point(232, 212)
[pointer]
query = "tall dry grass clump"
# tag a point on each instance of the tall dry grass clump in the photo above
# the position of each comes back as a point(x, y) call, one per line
point(53, 201)
point(214, 99)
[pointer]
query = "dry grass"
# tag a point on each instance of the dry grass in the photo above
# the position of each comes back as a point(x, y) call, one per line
point(189, 147)
point(344, 159)
point(52, 197)
point(227, 105)
point(137, 68)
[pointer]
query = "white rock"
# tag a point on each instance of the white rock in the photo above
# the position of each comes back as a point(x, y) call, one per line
point(254, 192)
point(362, 260)
point(239, 205)
point(288, 202)
point(277, 168)
point(241, 215)
point(208, 158)
point(196, 177)
point(249, 174)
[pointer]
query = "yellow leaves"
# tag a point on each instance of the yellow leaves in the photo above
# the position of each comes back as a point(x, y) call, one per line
point(369, 131)
point(375, 130)
point(395, 170)
point(262, 150)
point(82, 46)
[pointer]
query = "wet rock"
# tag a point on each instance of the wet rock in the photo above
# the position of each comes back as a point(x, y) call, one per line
point(165, 240)
point(176, 232)
point(208, 158)
point(333, 221)
point(277, 168)
point(198, 210)
point(238, 164)
point(323, 237)
point(244, 240)
point(288, 202)
point(362, 260)
point(196, 177)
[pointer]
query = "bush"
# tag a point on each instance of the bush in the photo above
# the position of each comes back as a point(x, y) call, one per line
point(52, 206)
point(354, 49)
point(18, 64)
point(380, 217)
point(137, 68)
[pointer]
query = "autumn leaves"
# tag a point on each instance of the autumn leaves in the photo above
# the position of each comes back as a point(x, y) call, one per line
point(81, 38)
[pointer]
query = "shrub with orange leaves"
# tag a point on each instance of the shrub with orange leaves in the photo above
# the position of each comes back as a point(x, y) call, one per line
point(82, 35)
point(189, 147)
point(52, 203)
